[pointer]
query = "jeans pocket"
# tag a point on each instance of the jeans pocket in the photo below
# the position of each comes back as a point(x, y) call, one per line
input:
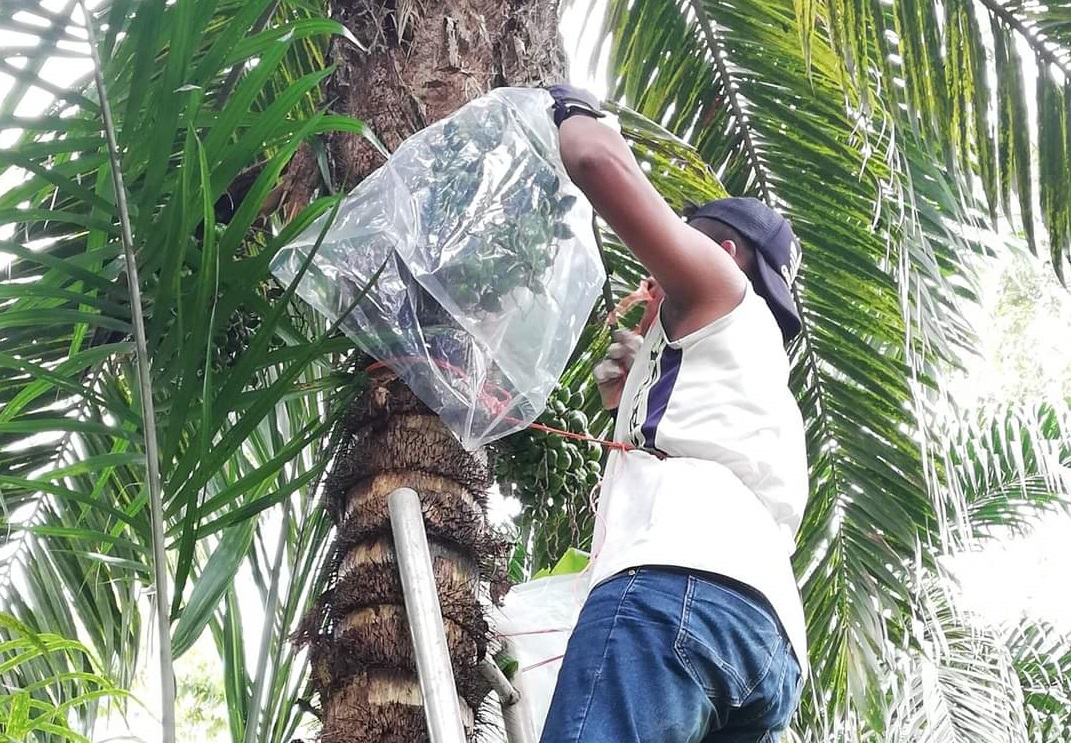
point(780, 695)
point(727, 643)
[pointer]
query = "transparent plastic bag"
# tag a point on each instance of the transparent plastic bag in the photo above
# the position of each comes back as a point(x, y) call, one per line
point(488, 266)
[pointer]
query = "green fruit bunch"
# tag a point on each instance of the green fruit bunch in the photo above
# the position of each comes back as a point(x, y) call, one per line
point(233, 338)
point(548, 472)
point(510, 242)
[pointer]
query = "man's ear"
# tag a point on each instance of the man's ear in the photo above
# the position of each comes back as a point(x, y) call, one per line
point(730, 247)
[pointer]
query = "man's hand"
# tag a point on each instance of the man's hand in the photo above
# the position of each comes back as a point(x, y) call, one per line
point(610, 373)
point(572, 101)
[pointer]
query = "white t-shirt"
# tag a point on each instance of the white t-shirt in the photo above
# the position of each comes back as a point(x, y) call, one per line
point(729, 496)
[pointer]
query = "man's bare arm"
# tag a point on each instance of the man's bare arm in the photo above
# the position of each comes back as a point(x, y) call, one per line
point(701, 280)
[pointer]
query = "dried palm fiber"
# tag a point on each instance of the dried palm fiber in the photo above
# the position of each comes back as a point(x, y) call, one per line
point(363, 665)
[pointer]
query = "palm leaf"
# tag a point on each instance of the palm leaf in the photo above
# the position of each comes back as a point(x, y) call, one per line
point(47, 681)
point(1005, 468)
point(962, 686)
point(883, 221)
point(1042, 656)
point(234, 363)
point(939, 57)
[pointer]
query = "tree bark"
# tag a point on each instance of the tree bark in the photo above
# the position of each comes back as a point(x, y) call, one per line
point(425, 59)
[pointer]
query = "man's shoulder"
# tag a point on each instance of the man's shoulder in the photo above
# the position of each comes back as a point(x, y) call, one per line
point(748, 329)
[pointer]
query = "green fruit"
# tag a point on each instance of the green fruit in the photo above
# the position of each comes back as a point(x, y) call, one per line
point(577, 421)
point(553, 459)
point(576, 460)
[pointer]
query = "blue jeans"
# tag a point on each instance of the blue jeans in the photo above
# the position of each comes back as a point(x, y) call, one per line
point(661, 655)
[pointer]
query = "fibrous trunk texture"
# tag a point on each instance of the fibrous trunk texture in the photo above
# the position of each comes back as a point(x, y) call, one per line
point(424, 59)
point(363, 665)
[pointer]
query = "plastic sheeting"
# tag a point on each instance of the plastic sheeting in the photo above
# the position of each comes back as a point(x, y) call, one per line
point(535, 621)
point(487, 264)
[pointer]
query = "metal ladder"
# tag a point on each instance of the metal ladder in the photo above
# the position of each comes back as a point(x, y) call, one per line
point(441, 707)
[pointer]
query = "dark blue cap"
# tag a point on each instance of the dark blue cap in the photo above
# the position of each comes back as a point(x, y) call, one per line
point(777, 249)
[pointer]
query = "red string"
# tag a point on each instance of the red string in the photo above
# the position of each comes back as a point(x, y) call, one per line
point(541, 663)
point(618, 445)
point(551, 631)
point(497, 404)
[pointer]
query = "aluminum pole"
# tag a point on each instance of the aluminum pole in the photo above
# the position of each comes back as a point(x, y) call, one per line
point(441, 707)
point(514, 713)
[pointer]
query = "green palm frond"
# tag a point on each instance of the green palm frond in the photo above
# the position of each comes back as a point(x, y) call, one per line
point(47, 681)
point(960, 684)
point(205, 96)
point(886, 226)
point(1042, 657)
point(931, 68)
point(1005, 467)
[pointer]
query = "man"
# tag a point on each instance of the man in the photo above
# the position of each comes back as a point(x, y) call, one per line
point(693, 630)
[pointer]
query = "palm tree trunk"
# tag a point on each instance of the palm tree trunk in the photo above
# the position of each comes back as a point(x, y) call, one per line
point(425, 60)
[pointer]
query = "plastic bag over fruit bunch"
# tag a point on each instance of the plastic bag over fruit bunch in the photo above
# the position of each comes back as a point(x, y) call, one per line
point(467, 264)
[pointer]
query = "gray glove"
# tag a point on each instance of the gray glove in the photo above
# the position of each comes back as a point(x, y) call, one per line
point(611, 372)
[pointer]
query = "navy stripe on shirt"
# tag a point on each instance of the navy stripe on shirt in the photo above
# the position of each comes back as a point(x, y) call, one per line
point(658, 395)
